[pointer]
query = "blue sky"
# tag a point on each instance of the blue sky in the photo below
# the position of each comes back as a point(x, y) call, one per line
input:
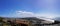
point(41, 7)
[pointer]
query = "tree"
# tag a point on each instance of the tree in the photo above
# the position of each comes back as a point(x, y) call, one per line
point(1, 19)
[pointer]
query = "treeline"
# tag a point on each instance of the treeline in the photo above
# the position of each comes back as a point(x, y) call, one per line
point(3, 23)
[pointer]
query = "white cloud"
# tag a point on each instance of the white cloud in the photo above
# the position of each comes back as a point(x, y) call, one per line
point(25, 14)
point(31, 14)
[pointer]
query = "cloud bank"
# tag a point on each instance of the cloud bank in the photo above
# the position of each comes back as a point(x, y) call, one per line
point(25, 14)
point(31, 14)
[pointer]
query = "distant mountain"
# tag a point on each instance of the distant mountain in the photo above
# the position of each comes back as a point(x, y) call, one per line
point(56, 18)
point(31, 18)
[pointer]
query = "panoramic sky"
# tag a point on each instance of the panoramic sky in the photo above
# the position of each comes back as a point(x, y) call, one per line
point(30, 8)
